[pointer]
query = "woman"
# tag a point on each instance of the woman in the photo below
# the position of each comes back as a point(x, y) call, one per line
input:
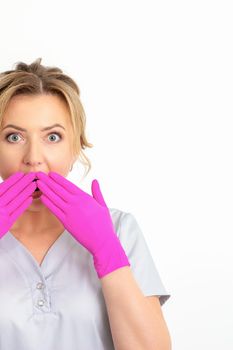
point(74, 274)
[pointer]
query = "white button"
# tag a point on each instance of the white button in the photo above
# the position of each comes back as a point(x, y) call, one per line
point(40, 285)
point(40, 302)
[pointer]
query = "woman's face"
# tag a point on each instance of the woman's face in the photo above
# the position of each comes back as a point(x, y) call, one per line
point(34, 149)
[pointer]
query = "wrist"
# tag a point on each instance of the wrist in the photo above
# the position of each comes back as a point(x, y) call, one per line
point(110, 257)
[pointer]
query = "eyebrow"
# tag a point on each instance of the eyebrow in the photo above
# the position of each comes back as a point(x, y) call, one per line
point(22, 129)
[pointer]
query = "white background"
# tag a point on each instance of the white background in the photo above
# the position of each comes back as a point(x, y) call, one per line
point(156, 84)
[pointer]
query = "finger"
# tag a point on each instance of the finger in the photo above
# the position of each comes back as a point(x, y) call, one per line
point(14, 191)
point(52, 195)
point(22, 197)
point(11, 180)
point(72, 188)
point(53, 185)
point(96, 192)
point(19, 211)
point(54, 209)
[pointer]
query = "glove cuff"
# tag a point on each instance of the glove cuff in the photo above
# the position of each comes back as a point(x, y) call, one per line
point(110, 257)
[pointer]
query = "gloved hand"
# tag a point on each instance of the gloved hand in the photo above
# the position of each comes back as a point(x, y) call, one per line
point(87, 218)
point(15, 198)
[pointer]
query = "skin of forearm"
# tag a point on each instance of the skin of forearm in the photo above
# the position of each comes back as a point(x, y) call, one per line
point(134, 325)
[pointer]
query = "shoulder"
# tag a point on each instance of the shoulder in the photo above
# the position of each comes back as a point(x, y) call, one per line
point(128, 230)
point(116, 213)
point(121, 220)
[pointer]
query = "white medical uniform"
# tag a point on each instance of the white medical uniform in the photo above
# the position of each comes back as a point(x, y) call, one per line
point(59, 304)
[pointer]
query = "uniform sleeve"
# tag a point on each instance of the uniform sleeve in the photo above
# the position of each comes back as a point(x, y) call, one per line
point(138, 253)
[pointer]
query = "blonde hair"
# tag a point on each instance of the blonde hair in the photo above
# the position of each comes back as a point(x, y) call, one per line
point(35, 79)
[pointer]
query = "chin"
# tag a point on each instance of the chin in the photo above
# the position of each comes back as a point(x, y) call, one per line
point(36, 205)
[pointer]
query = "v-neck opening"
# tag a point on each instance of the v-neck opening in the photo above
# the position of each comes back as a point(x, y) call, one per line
point(25, 261)
point(30, 254)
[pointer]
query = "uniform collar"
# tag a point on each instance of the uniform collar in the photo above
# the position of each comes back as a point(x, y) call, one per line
point(26, 262)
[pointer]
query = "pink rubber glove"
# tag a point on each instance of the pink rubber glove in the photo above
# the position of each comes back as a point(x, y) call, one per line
point(15, 198)
point(87, 218)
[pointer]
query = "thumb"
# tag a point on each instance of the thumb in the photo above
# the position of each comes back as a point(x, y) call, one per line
point(96, 192)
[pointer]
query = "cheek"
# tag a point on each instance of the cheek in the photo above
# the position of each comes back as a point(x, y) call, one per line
point(60, 159)
point(59, 164)
point(7, 155)
point(8, 165)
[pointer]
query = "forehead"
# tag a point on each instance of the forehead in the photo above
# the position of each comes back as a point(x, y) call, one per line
point(39, 109)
